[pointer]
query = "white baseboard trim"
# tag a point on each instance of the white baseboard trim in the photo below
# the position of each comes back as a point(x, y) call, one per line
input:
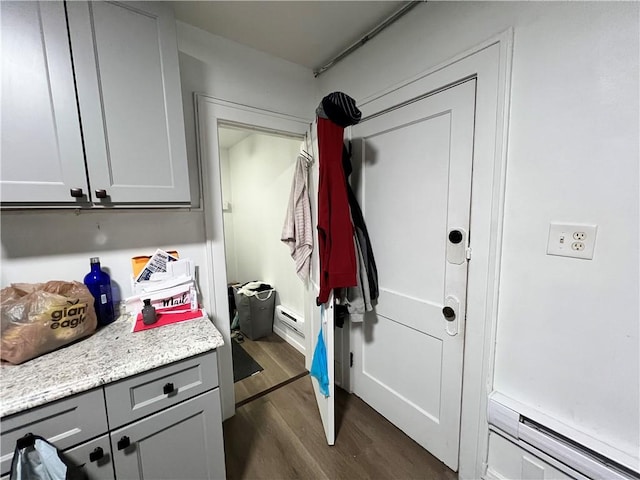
point(491, 475)
point(289, 336)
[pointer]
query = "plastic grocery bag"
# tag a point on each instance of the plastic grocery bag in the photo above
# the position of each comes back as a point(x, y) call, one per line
point(36, 459)
point(319, 365)
point(38, 318)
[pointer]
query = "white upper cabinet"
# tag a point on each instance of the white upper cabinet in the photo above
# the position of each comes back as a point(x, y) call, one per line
point(41, 145)
point(127, 81)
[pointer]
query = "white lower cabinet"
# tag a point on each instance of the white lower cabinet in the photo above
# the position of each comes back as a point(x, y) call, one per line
point(165, 423)
point(181, 442)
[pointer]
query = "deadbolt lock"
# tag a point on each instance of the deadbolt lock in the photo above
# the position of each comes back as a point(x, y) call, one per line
point(455, 236)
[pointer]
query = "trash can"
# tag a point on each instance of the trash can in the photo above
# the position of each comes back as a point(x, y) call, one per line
point(255, 312)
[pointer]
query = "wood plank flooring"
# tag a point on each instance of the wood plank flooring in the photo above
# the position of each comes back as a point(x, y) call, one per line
point(280, 436)
point(280, 361)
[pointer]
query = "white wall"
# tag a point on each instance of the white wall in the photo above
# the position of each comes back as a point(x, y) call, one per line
point(567, 340)
point(236, 73)
point(260, 174)
point(38, 246)
point(229, 230)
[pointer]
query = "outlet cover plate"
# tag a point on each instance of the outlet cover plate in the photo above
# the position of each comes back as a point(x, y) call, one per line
point(572, 240)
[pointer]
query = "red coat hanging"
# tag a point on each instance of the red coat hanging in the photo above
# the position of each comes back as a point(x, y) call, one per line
point(335, 230)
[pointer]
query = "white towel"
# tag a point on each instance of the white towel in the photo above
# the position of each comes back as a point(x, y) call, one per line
point(297, 231)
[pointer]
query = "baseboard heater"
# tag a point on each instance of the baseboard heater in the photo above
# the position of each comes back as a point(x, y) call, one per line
point(505, 420)
point(289, 318)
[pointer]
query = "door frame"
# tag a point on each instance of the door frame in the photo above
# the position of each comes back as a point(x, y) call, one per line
point(490, 64)
point(209, 112)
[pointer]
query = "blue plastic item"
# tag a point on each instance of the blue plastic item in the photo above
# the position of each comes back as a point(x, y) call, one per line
point(99, 284)
point(319, 365)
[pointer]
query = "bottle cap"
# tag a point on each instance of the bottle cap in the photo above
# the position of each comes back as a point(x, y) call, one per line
point(95, 260)
point(147, 301)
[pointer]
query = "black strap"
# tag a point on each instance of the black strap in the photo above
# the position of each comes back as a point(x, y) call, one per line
point(27, 441)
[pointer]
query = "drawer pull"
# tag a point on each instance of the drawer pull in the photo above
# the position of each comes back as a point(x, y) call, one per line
point(168, 388)
point(76, 192)
point(101, 193)
point(123, 443)
point(96, 455)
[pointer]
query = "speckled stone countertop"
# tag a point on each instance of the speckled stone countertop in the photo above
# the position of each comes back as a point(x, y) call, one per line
point(112, 353)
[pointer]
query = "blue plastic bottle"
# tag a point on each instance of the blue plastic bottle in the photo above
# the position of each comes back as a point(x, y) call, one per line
point(99, 284)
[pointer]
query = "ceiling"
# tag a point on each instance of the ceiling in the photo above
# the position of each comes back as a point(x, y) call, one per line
point(229, 136)
point(308, 33)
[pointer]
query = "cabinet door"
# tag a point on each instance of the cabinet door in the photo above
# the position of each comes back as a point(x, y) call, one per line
point(126, 63)
point(41, 148)
point(184, 441)
point(93, 458)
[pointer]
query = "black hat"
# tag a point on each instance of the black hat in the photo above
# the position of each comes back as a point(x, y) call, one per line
point(341, 109)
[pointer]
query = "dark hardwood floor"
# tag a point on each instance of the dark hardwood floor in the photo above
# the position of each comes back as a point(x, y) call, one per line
point(279, 360)
point(280, 436)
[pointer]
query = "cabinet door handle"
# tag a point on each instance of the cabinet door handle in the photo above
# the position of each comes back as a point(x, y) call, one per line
point(123, 443)
point(76, 192)
point(101, 193)
point(168, 388)
point(96, 455)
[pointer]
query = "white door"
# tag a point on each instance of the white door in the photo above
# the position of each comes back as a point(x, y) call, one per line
point(416, 193)
point(319, 318)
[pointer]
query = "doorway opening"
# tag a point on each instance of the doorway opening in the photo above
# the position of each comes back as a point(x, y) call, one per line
point(256, 171)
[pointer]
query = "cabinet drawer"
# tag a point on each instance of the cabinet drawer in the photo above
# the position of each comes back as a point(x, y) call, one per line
point(64, 423)
point(94, 458)
point(147, 393)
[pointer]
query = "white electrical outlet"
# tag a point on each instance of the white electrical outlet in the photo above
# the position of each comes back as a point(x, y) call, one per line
point(568, 240)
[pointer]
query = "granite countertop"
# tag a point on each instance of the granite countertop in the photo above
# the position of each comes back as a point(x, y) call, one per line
point(112, 353)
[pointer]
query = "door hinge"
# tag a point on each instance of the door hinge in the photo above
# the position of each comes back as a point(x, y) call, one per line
point(468, 253)
point(350, 359)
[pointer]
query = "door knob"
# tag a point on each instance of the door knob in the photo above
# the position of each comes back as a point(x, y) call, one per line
point(101, 193)
point(453, 313)
point(449, 313)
